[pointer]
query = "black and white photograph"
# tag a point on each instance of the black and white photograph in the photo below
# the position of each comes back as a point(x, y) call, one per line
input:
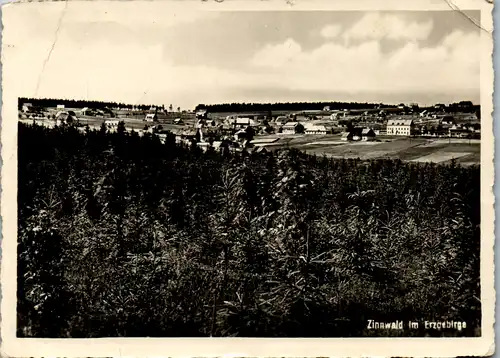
point(189, 172)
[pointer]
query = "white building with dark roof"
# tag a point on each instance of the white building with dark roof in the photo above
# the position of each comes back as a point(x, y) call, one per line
point(151, 117)
point(290, 128)
point(243, 122)
point(402, 127)
point(316, 129)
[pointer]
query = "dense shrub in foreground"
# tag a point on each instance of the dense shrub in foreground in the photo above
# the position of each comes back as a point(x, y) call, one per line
point(120, 235)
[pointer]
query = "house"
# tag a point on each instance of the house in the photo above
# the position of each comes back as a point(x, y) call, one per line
point(346, 136)
point(211, 123)
point(178, 121)
point(104, 113)
point(27, 107)
point(216, 144)
point(244, 134)
point(326, 109)
point(315, 129)
point(475, 127)
point(402, 127)
point(447, 120)
point(334, 116)
point(186, 136)
point(203, 145)
point(111, 123)
point(151, 117)
point(243, 122)
point(292, 128)
point(281, 120)
point(68, 117)
point(457, 132)
point(60, 106)
point(353, 134)
point(367, 135)
point(202, 114)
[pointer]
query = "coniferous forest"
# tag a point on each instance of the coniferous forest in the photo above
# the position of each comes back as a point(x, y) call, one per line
point(121, 235)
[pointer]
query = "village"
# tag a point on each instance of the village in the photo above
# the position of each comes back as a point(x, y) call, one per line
point(438, 133)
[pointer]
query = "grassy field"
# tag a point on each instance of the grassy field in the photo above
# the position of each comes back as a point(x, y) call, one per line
point(408, 149)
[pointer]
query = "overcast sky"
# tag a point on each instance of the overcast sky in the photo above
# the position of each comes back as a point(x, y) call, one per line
point(186, 58)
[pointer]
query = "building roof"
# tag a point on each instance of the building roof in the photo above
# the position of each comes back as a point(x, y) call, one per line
point(400, 122)
point(290, 125)
point(367, 131)
point(247, 121)
point(316, 128)
point(63, 115)
point(458, 129)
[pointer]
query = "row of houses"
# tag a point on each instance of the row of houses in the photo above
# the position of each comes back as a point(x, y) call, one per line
point(407, 127)
point(297, 128)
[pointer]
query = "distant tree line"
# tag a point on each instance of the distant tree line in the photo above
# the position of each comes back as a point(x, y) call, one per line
point(463, 106)
point(70, 103)
point(288, 106)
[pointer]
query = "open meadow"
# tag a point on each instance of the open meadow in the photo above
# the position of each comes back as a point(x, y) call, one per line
point(463, 151)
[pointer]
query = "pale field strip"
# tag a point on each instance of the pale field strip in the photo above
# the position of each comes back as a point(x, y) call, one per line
point(266, 144)
point(440, 157)
point(438, 142)
point(339, 142)
point(327, 142)
point(364, 143)
point(264, 141)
